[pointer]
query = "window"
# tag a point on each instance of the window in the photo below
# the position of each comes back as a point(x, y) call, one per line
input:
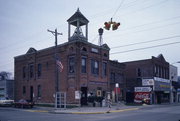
point(31, 73)
point(94, 50)
point(94, 67)
point(24, 72)
point(84, 49)
point(104, 72)
point(39, 91)
point(47, 65)
point(39, 70)
point(71, 64)
point(139, 72)
point(105, 55)
point(83, 65)
point(112, 77)
point(24, 90)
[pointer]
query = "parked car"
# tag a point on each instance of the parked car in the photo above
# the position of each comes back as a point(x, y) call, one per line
point(22, 103)
point(4, 101)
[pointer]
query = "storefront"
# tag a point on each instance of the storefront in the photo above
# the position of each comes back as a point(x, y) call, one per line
point(160, 89)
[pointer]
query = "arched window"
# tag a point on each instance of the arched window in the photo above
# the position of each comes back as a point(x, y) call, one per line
point(71, 49)
point(84, 49)
point(105, 55)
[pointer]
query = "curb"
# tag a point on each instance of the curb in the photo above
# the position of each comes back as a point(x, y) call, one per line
point(103, 112)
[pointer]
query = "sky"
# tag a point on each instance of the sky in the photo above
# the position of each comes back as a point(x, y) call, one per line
point(148, 27)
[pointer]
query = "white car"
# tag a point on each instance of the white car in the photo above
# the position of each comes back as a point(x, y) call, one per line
point(5, 101)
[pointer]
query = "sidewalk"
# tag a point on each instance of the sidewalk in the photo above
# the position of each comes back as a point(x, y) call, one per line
point(95, 110)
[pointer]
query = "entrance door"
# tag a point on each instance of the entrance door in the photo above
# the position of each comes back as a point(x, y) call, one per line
point(31, 93)
point(83, 95)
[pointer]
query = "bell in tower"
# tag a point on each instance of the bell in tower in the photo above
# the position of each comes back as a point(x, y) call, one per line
point(78, 21)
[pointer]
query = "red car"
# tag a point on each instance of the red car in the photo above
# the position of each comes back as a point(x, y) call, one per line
point(23, 104)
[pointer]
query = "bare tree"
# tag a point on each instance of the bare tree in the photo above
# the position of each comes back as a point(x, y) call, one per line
point(5, 75)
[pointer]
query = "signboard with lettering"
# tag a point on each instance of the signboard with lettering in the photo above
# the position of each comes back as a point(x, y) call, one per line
point(142, 89)
point(147, 82)
point(141, 93)
point(140, 96)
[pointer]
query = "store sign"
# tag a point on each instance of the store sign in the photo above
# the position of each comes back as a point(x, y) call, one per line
point(142, 89)
point(147, 82)
point(140, 96)
point(161, 86)
point(161, 80)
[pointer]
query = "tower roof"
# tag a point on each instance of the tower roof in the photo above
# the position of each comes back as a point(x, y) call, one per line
point(78, 16)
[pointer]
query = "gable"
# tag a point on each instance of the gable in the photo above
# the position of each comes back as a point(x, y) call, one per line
point(161, 57)
point(31, 50)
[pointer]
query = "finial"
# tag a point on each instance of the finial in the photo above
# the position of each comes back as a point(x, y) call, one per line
point(78, 10)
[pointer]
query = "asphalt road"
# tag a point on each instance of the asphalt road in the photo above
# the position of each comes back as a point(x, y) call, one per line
point(155, 113)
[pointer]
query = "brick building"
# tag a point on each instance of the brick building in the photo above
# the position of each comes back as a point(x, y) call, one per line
point(117, 76)
point(85, 68)
point(150, 75)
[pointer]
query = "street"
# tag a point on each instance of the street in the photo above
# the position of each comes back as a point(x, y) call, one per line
point(149, 113)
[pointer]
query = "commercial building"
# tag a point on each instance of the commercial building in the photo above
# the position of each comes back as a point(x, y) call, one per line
point(83, 67)
point(117, 78)
point(148, 79)
point(6, 87)
point(174, 83)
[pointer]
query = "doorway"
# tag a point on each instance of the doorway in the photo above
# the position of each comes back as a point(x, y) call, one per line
point(83, 95)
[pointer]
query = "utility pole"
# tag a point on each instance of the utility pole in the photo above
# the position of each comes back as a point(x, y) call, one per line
point(55, 33)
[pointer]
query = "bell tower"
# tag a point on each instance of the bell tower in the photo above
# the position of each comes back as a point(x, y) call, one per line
point(78, 21)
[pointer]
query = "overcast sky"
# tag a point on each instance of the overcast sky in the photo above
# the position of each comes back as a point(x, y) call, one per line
point(24, 24)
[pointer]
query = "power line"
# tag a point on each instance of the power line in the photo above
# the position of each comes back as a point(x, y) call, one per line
point(118, 8)
point(137, 10)
point(145, 48)
point(148, 29)
point(146, 41)
point(155, 22)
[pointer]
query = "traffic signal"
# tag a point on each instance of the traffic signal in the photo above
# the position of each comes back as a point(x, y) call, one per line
point(107, 25)
point(115, 25)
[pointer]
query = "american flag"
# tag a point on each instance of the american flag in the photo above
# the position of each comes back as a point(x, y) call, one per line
point(59, 65)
